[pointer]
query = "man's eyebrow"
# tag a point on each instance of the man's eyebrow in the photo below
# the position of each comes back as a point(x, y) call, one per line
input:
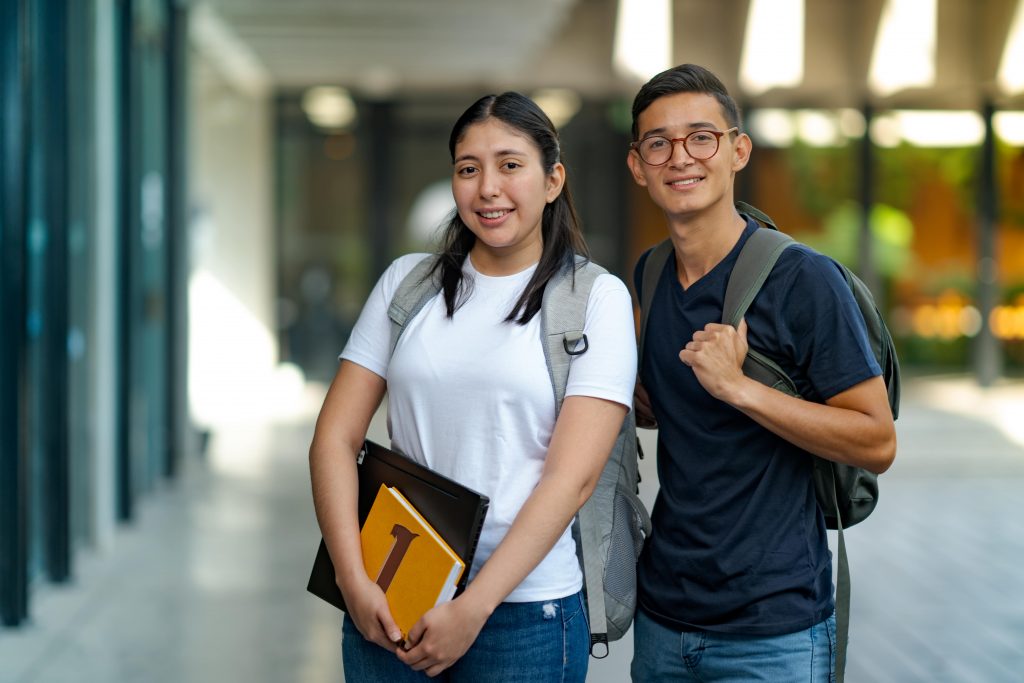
point(696, 125)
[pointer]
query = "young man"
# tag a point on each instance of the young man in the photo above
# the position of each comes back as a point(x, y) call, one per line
point(736, 579)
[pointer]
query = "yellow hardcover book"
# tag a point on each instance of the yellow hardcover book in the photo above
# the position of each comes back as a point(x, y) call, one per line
point(405, 556)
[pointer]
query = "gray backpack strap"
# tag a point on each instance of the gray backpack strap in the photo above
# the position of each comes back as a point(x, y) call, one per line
point(563, 314)
point(757, 258)
point(842, 592)
point(653, 266)
point(415, 290)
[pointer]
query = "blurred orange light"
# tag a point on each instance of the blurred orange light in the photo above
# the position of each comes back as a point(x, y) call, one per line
point(1007, 322)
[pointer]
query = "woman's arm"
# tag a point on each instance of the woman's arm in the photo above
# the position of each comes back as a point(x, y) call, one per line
point(354, 396)
point(580, 445)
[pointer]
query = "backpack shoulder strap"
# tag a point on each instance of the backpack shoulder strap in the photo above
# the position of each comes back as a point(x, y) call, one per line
point(563, 315)
point(563, 312)
point(653, 266)
point(755, 262)
point(757, 214)
point(416, 289)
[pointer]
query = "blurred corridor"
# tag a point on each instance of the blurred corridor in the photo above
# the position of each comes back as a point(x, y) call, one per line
point(196, 197)
point(210, 586)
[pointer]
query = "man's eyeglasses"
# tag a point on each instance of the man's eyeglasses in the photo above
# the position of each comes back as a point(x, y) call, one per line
point(700, 145)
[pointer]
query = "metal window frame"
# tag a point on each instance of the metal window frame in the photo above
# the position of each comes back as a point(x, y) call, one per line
point(51, 58)
point(14, 122)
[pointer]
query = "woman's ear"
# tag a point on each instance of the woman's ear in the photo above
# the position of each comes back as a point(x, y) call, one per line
point(555, 182)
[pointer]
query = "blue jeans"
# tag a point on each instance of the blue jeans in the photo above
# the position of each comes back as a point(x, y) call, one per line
point(527, 642)
point(663, 654)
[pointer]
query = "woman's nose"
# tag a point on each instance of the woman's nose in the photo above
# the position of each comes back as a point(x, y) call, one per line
point(490, 184)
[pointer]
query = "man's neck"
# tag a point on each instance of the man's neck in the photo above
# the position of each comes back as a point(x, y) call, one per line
point(702, 241)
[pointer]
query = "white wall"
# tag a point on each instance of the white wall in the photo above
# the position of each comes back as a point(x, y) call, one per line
point(232, 343)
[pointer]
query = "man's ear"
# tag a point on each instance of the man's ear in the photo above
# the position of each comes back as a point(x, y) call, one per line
point(741, 151)
point(636, 167)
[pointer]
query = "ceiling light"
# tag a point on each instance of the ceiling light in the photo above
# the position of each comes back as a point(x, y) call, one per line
point(643, 38)
point(817, 128)
point(773, 49)
point(329, 107)
point(851, 123)
point(1009, 126)
point(904, 55)
point(885, 130)
point(941, 128)
point(1011, 73)
point(560, 104)
point(772, 127)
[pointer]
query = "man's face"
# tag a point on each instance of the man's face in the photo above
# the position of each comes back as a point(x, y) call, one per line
point(684, 186)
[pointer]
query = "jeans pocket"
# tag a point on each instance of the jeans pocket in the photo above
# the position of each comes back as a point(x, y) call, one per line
point(573, 608)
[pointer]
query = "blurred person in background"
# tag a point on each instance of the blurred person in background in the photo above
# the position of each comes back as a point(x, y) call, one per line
point(735, 583)
point(469, 395)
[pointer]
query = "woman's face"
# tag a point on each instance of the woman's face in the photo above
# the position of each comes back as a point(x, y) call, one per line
point(501, 189)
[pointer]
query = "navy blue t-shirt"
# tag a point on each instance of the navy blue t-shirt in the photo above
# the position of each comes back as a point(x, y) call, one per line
point(739, 543)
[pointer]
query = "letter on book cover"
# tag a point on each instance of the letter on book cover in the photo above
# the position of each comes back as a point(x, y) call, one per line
point(408, 559)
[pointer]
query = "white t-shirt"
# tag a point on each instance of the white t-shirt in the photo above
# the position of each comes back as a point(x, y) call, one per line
point(470, 396)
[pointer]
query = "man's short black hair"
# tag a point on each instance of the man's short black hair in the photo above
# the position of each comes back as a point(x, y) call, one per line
point(685, 78)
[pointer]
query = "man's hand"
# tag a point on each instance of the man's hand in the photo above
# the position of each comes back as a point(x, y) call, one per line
point(642, 411)
point(716, 355)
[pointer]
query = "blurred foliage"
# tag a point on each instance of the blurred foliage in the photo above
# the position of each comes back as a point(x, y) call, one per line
point(937, 353)
point(1010, 170)
point(827, 182)
point(825, 176)
point(620, 115)
point(902, 170)
point(891, 228)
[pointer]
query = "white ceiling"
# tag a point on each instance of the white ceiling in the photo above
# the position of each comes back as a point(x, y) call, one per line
point(380, 48)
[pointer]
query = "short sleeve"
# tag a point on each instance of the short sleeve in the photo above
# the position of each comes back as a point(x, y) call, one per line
point(370, 341)
point(819, 321)
point(608, 369)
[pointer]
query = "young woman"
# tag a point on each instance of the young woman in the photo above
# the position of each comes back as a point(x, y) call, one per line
point(469, 396)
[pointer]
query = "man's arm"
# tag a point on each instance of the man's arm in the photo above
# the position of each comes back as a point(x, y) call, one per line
point(854, 427)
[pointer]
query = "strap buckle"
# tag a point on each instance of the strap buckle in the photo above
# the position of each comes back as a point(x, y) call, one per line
point(573, 338)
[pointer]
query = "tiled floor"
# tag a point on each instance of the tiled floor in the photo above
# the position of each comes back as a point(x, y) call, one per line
point(208, 585)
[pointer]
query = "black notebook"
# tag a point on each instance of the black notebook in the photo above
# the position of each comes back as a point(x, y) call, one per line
point(456, 512)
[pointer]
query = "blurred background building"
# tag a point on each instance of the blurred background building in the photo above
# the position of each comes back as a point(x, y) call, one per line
point(196, 197)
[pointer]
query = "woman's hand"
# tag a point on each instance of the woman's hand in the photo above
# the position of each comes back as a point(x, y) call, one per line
point(443, 635)
point(368, 608)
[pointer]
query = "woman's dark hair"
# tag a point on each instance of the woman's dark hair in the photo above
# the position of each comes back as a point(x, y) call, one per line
point(685, 78)
point(560, 227)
